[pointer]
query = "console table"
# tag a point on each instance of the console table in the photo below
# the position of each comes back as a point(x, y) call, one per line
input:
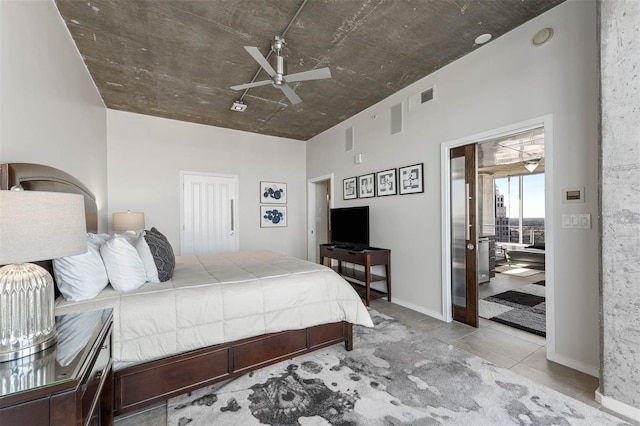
point(368, 257)
point(67, 384)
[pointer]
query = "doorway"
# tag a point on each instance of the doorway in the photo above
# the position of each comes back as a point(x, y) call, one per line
point(209, 213)
point(512, 202)
point(319, 202)
point(545, 126)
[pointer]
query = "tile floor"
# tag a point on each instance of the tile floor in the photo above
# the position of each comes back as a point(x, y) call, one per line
point(519, 351)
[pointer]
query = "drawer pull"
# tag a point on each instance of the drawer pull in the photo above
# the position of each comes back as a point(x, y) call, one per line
point(104, 347)
point(98, 375)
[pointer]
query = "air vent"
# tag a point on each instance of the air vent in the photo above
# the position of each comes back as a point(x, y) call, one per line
point(348, 137)
point(421, 98)
point(396, 119)
point(426, 96)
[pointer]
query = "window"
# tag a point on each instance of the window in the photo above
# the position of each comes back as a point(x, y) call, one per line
point(520, 209)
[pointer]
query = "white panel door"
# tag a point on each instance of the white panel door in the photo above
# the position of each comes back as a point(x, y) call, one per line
point(209, 214)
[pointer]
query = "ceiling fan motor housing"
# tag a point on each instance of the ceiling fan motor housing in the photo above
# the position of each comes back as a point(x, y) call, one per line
point(280, 65)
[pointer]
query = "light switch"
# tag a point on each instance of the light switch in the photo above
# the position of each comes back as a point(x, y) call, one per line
point(576, 221)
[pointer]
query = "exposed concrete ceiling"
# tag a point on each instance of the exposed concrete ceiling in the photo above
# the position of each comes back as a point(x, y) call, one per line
point(177, 58)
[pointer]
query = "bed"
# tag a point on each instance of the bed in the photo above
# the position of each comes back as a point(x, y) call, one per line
point(218, 317)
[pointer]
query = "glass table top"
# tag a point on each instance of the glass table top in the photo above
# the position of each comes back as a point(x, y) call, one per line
point(63, 362)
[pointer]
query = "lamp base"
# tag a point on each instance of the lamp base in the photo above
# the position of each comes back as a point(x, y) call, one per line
point(27, 320)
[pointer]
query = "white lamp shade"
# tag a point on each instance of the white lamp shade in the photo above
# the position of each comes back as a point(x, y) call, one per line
point(129, 221)
point(38, 225)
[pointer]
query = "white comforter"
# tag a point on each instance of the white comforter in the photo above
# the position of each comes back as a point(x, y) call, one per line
point(220, 298)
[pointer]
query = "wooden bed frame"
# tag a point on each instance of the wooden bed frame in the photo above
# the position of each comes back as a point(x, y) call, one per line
point(152, 382)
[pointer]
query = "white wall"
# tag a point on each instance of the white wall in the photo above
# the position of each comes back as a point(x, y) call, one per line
point(146, 155)
point(50, 110)
point(505, 82)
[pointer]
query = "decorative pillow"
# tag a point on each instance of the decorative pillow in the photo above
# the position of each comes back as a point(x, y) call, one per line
point(162, 253)
point(124, 266)
point(83, 276)
point(147, 259)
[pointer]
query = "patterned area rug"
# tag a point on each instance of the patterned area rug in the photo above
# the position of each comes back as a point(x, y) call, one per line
point(524, 309)
point(394, 376)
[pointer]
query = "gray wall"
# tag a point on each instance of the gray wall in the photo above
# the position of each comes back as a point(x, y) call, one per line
point(146, 155)
point(620, 192)
point(505, 82)
point(50, 111)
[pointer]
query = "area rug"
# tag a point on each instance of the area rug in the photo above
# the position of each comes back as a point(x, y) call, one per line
point(524, 308)
point(394, 376)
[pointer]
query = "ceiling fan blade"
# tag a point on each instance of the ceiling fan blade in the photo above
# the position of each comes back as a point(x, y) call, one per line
point(255, 53)
point(290, 94)
point(250, 85)
point(309, 75)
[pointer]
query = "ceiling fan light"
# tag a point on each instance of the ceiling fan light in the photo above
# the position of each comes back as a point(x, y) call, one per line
point(531, 166)
point(238, 106)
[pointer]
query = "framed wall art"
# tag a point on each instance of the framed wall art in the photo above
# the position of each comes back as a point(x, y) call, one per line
point(366, 186)
point(411, 179)
point(273, 192)
point(386, 183)
point(349, 188)
point(273, 216)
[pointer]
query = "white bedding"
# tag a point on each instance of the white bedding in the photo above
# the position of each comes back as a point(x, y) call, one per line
point(219, 298)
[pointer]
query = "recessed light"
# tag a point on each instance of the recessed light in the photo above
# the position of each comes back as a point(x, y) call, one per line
point(483, 38)
point(238, 106)
point(542, 36)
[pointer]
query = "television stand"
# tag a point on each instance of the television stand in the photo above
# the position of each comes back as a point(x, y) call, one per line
point(366, 257)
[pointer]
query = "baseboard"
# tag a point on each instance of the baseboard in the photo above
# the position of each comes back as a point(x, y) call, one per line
point(576, 365)
point(618, 407)
point(414, 307)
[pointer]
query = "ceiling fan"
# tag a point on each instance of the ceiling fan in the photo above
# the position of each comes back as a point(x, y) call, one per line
point(278, 78)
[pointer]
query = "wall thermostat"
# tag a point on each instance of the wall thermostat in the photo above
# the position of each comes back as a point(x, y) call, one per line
point(573, 195)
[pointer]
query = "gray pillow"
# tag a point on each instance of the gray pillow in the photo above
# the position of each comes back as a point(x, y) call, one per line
point(162, 253)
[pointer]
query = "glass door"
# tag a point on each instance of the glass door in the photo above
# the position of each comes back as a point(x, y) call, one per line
point(464, 263)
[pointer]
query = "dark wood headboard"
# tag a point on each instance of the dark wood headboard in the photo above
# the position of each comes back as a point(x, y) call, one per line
point(37, 177)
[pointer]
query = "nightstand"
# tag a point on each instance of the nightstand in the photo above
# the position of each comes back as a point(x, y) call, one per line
point(67, 384)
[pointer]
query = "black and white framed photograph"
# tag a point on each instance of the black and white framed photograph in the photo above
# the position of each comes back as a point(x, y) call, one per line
point(366, 186)
point(411, 179)
point(273, 192)
point(273, 216)
point(386, 183)
point(349, 188)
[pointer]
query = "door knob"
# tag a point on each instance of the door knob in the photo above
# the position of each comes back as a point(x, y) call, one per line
point(470, 246)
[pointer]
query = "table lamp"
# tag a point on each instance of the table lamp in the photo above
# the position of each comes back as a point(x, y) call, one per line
point(34, 225)
point(130, 222)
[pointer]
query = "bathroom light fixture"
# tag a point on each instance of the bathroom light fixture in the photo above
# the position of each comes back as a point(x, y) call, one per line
point(531, 165)
point(239, 106)
point(35, 225)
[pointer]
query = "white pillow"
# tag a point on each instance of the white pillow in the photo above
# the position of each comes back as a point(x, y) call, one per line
point(83, 276)
point(124, 266)
point(147, 259)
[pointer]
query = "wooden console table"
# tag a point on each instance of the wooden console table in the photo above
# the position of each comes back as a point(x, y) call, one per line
point(368, 257)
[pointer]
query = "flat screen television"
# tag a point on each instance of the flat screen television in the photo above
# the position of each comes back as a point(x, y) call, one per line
point(350, 226)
